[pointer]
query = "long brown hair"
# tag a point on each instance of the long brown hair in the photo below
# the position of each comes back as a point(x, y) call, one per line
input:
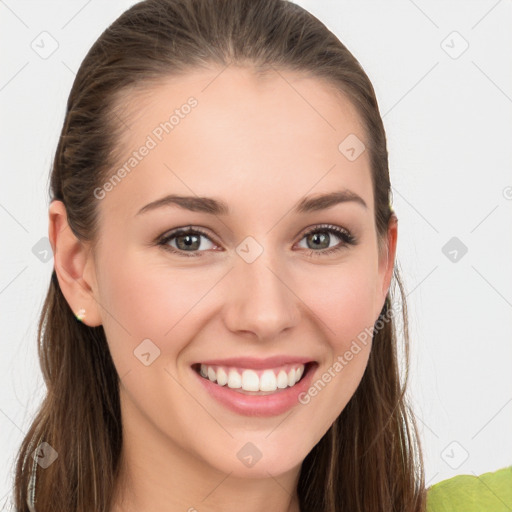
point(370, 459)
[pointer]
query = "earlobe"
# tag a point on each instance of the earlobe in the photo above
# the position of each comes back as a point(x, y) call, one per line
point(71, 257)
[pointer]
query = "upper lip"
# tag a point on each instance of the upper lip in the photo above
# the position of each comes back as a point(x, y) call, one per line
point(257, 363)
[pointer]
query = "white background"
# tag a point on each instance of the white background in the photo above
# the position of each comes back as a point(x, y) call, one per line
point(449, 128)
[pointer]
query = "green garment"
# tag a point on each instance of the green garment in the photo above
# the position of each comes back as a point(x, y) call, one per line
point(489, 492)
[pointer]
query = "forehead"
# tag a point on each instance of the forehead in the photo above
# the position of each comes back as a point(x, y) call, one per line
point(220, 131)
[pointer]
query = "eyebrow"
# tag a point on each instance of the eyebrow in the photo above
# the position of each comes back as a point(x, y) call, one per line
point(217, 207)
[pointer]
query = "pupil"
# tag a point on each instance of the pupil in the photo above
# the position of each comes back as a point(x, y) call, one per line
point(189, 240)
point(318, 238)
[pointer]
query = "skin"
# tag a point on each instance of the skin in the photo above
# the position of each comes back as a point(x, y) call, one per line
point(260, 145)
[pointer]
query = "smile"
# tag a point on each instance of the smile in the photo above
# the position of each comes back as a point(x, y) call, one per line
point(246, 379)
point(253, 387)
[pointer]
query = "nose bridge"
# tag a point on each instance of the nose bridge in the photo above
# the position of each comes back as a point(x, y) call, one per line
point(261, 297)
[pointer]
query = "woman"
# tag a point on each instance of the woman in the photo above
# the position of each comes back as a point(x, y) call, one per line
point(219, 331)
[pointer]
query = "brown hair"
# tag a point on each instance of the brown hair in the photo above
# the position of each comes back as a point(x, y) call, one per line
point(370, 459)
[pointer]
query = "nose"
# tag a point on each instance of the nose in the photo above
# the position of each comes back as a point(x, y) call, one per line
point(260, 299)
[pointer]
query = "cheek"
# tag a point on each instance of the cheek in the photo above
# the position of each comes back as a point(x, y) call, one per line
point(342, 300)
point(149, 298)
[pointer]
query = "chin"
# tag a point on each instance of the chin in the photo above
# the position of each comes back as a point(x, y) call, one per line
point(262, 458)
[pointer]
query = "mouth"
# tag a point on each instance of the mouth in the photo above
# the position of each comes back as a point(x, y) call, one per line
point(256, 387)
point(254, 381)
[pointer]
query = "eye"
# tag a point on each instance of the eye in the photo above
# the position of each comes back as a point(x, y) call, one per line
point(187, 241)
point(318, 238)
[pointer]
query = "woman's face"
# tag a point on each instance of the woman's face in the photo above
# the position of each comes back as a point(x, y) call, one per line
point(261, 291)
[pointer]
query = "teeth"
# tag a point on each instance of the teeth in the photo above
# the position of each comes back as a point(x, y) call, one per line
point(234, 379)
point(222, 377)
point(268, 381)
point(252, 380)
point(282, 380)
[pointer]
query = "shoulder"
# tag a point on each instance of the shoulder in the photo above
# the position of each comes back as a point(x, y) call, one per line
point(489, 492)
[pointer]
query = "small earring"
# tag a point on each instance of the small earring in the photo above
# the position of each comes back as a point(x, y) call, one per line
point(80, 314)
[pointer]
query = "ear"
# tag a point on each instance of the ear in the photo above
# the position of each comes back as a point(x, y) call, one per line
point(387, 262)
point(74, 265)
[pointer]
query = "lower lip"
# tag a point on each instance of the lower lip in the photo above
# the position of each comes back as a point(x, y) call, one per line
point(259, 405)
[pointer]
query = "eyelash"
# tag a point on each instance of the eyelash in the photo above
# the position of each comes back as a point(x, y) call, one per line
point(346, 237)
